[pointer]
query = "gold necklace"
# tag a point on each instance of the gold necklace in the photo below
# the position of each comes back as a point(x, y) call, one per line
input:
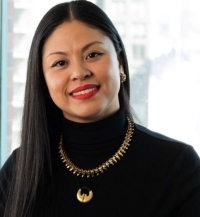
point(100, 169)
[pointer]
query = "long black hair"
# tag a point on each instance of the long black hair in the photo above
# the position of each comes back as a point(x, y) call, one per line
point(41, 117)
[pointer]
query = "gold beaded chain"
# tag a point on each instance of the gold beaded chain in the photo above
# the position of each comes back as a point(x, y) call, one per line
point(111, 161)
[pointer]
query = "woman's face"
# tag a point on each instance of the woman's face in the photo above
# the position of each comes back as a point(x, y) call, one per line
point(81, 70)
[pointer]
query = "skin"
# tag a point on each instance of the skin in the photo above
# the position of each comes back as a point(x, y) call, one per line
point(75, 55)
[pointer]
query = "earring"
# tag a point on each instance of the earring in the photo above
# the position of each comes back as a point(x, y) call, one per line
point(122, 77)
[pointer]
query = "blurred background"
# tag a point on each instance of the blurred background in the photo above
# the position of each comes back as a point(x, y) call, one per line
point(162, 40)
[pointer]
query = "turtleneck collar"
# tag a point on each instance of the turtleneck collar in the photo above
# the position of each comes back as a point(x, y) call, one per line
point(101, 131)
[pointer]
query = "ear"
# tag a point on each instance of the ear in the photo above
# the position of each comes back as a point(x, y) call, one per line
point(120, 62)
point(122, 74)
point(121, 69)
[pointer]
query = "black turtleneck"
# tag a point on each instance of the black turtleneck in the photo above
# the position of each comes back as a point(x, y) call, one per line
point(157, 177)
point(90, 144)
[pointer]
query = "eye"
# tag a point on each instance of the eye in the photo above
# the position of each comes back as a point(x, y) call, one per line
point(59, 63)
point(93, 55)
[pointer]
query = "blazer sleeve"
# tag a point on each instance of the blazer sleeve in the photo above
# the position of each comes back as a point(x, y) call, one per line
point(5, 178)
point(188, 184)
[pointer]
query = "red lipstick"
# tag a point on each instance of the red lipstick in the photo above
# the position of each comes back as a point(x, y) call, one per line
point(85, 92)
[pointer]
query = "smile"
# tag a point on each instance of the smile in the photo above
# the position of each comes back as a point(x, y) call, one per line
point(85, 92)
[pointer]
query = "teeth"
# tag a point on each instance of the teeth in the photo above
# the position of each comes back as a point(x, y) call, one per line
point(84, 91)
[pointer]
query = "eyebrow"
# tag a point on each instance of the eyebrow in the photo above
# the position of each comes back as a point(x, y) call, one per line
point(83, 49)
point(90, 44)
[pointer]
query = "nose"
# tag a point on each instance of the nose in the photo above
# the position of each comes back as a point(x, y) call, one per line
point(79, 72)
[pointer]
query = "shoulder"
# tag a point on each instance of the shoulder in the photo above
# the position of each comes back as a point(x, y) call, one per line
point(159, 141)
point(6, 173)
point(6, 170)
point(163, 149)
point(154, 135)
point(10, 161)
point(168, 163)
point(165, 153)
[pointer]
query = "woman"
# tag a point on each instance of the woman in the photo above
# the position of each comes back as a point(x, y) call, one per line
point(81, 153)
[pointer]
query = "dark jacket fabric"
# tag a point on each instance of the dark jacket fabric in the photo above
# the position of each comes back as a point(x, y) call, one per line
point(157, 177)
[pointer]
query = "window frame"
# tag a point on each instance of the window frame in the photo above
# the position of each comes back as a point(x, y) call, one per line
point(1, 17)
point(3, 80)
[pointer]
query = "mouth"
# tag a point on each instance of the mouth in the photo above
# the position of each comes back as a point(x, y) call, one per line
point(85, 91)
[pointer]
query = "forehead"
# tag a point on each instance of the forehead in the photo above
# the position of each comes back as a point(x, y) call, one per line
point(75, 32)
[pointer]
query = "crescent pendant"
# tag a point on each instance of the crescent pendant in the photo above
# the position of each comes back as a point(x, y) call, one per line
point(82, 197)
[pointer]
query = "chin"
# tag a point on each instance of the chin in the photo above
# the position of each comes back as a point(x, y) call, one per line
point(85, 117)
point(90, 117)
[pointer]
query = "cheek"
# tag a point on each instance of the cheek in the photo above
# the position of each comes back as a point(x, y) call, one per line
point(53, 81)
point(110, 69)
point(110, 81)
point(113, 75)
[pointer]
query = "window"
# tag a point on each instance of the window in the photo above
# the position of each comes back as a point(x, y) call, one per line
point(121, 29)
point(117, 9)
point(138, 9)
point(0, 70)
point(138, 52)
point(138, 30)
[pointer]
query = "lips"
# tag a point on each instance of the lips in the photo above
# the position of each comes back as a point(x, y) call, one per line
point(85, 92)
